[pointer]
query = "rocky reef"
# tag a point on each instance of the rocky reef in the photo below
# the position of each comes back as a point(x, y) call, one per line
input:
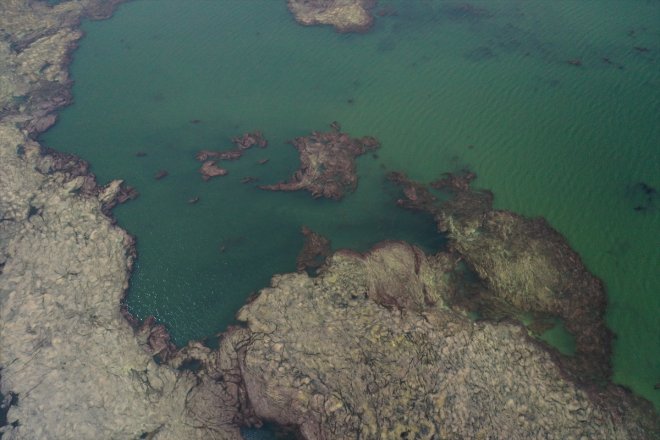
point(343, 15)
point(327, 163)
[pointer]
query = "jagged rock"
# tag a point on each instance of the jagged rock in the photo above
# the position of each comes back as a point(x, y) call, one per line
point(327, 164)
point(343, 15)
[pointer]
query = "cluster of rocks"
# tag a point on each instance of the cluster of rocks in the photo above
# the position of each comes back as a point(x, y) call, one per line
point(327, 163)
point(242, 143)
point(524, 266)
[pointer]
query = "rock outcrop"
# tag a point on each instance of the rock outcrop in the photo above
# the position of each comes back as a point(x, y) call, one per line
point(327, 164)
point(343, 15)
point(526, 267)
point(369, 350)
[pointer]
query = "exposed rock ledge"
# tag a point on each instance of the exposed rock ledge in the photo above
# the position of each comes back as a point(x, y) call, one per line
point(344, 15)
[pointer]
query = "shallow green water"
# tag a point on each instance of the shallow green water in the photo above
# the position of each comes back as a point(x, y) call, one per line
point(440, 87)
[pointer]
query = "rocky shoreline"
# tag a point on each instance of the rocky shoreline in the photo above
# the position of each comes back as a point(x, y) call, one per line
point(377, 345)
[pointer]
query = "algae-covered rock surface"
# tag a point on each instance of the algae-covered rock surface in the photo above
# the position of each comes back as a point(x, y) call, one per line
point(327, 163)
point(343, 15)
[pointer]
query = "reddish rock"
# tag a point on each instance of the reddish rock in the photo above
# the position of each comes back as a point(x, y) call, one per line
point(160, 174)
point(241, 143)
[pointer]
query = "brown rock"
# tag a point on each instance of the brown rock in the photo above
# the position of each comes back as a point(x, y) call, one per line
point(327, 164)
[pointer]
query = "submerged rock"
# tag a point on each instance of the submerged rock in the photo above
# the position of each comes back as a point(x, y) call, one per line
point(343, 15)
point(314, 252)
point(327, 164)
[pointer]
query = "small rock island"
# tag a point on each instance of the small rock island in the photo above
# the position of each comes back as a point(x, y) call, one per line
point(327, 164)
point(343, 15)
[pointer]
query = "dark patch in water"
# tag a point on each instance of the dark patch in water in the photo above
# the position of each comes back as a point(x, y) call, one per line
point(643, 196)
point(271, 431)
point(387, 44)
point(466, 11)
point(481, 53)
point(193, 365)
point(7, 402)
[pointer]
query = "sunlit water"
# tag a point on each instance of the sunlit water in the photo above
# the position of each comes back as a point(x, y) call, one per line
point(442, 87)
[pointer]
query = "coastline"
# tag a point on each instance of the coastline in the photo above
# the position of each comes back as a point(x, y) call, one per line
point(67, 348)
point(65, 261)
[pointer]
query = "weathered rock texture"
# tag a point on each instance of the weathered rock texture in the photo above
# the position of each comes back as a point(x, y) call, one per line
point(68, 356)
point(344, 15)
point(368, 350)
point(524, 264)
point(327, 164)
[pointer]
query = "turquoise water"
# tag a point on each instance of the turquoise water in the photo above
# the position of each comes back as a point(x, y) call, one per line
point(440, 86)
